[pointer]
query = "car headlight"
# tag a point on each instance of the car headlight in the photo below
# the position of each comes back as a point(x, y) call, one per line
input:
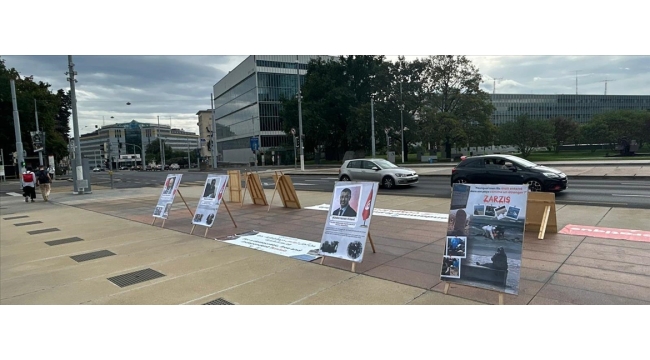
point(551, 175)
point(401, 175)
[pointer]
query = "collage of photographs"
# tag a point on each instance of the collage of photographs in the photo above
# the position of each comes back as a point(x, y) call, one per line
point(346, 230)
point(166, 198)
point(208, 206)
point(484, 240)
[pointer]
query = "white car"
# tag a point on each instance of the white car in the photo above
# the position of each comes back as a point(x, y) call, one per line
point(174, 167)
point(382, 171)
point(97, 169)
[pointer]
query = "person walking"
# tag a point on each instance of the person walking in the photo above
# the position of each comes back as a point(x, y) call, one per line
point(28, 181)
point(44, 181)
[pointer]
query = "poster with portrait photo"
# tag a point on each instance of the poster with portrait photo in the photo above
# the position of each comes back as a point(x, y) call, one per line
point(492, 224)
point(210, 200)
point(167, 195)
point(348, 220)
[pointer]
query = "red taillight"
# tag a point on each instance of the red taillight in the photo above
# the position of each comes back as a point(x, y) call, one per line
point(339, 171)
point(453, 170)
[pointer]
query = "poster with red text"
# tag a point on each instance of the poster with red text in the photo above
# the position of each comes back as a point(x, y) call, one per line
point(348, 220)
point(485, 236)
point(206, 209)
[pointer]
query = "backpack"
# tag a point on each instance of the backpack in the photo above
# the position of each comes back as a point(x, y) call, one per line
point(28, 177)
point(42, 177)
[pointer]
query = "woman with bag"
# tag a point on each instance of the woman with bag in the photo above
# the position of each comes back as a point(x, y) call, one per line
point(28, 181)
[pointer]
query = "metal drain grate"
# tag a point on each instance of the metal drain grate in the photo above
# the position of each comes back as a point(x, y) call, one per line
point(92, 256)
point(16, 217)
point(43, 231)
point(28, 223)
point(219, 301)
point(135, 277)
point(64, 241)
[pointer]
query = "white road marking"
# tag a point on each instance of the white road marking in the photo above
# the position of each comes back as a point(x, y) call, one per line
point(14, 194)
point(644, 196)
point(637, 184)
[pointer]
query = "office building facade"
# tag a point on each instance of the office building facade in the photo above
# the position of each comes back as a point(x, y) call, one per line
point(129, 141)
point(247, 103)
point(580, 108)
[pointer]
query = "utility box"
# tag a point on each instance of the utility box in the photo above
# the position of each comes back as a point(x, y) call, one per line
point(391, 156)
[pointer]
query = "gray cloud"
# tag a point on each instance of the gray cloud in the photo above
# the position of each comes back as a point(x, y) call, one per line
point(179, 86)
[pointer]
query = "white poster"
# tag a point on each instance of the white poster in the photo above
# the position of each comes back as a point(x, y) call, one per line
point(206, 209)
point(276, 244)
point(167, 196)
point(346, 228)
point(485, 235)
point(50, 160)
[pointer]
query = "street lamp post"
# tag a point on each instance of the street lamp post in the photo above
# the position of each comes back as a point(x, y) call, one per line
point(401, 114)
point(372, 122)
point(75, 121)
point(300, 136)
point(40, 153)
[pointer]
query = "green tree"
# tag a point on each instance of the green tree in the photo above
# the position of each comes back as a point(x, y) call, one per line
point(526, 134)
point(596, 132)
point(628, 124)
point(451, 86)
point(564, 131)
point(152, 151)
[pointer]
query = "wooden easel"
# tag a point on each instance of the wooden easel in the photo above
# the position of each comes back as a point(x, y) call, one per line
point(541, 213)
point(234, 186)
point(170, 209)
point(286, 190)
point(501, 302)
point(254, 186)
point(372, 245)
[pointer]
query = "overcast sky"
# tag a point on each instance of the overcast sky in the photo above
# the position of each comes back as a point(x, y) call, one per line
point(176, 87)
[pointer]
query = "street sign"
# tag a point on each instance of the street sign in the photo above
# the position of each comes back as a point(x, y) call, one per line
point(386, 130)
point(255, 143)
point(293, 131)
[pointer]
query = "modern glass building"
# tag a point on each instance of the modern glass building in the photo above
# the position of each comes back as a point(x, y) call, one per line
point(128, 142)
point(580, 108)
point(247, 102)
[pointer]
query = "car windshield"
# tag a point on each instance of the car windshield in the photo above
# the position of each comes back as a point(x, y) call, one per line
point(385, 164)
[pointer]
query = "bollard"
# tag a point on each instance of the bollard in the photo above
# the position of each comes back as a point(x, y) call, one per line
point(110, 173)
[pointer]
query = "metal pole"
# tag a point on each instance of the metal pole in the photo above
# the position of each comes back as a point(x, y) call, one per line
point(40, 153)
point(401, 114)
point(214, 151)
point(372, 123)
point(19, 139)
point(75, 121)
point(160, 141)
point(300, 135)
point(189, 160)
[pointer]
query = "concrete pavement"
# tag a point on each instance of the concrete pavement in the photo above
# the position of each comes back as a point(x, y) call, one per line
point(561, 269)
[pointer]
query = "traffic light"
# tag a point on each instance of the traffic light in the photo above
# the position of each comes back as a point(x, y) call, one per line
point(119, 144)
point(388, 141)
point(297, 142)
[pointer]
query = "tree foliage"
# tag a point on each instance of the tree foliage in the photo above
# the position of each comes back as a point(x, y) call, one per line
point(564, 131)
point(52, 117)
point(630, 124)
point(526, 134)
point(152, 152)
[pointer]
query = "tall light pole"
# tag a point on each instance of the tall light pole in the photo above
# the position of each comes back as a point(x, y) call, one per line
point(372, 123)
point(213, 135)
point(75, 120)
point(19, 139)
point(300, 135)
point(401, 114)
point(161, 145)
point(40, 153)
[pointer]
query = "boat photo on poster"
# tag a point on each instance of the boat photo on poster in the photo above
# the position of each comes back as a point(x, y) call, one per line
point(485, 235)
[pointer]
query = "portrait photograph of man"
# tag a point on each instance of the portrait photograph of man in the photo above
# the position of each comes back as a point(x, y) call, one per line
point(345, 207)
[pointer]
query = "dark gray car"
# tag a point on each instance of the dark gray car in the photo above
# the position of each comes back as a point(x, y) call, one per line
point(382, 171)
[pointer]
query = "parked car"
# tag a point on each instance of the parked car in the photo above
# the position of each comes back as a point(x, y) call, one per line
point(508, 169)
point(124, 168)
point(96, 169)
point(149, 168)
point(382, 171)
point(174, 166)
point(137, 167)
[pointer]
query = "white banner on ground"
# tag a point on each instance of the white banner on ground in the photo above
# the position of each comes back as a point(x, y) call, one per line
point(206, 209)
point(167, 196)
point(346, 228)
point(276, 244)
point(402, 214)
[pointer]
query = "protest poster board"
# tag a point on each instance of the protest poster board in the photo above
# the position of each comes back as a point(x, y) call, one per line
point(166, 198)
point(206, 209)
point(485, 235)
point(346, 228)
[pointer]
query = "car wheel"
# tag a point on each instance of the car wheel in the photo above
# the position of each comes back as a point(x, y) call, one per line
point(388, 182)
point(345, 178)
point(534, 185)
